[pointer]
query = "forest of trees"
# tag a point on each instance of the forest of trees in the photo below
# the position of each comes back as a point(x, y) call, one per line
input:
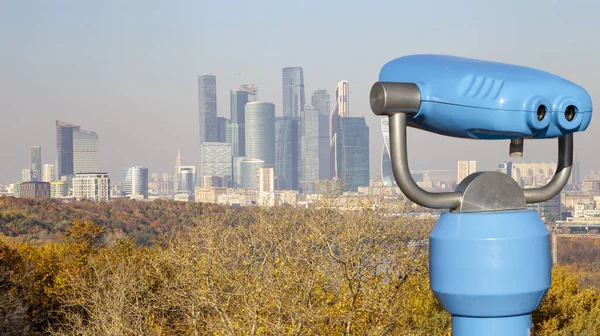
point(171, 268)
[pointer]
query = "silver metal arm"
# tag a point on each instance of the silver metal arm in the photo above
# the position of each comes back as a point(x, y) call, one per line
point(398, 153)
point(560, 178)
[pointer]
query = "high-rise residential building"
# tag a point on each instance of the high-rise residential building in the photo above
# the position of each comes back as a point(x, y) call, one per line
point(352, 149)
point(260, 132)
point(252, 90)
point(135, 182)
point(76, 150)
point(340, 110)
point(266, 186)
point(64, 148)
point(321, 102)
point(186, 178)
point(293, 91)
point(92, 186)
point(465, 168)
point(216, 160)
point(387, 175)
point(505, 167)
point(221, 129)
point(207, 100)
point(287, 153)
point(310, 153)
point(35, 162)
point(26, 175)
point(86, 157)
point(236, 126)
point(249, 170)
point(48, 172)
point(35, 189)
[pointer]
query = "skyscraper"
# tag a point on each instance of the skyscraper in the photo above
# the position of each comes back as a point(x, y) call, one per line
point(352, 150)
point(186, 178)
point(310, 159)
point(293, 91)
point(135, 182)
point(465, 168)
point(207, 100)
point(216, 161)
point(260, 132)
point(64, 148)
point(35, 162)
point(321, 102)
point(76, 150)
point(236, 127)
point(287, 153)
point(86, 157)
point(266, 192)
point(340, 110)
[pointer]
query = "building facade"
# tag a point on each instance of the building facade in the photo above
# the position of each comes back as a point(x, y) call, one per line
point(186, 177)
point(207, 101)
point(266, 186)
point(216, 160)
point(387, 175)
point(48, 172)
point(287, 153)
point(35, 189)
point(293, 91)
point(260, 132)
point(352, 150)
point(309, 151)
point(320, 100)
point(92, 186)
point(249, 171)
point(236, 127)
point(35, 162)
point(86, 156)
point(64, 148)
point(58, 189)
point(135, 182)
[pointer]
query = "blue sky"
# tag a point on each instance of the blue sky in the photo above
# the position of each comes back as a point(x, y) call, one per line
point(127, 69)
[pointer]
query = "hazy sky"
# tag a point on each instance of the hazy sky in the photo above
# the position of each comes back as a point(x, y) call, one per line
point(128, 69)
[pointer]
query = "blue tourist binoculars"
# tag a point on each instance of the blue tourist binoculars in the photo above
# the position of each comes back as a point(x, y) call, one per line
point(489, 256)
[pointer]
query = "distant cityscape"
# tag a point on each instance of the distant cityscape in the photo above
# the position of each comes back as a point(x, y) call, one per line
point(257, 158)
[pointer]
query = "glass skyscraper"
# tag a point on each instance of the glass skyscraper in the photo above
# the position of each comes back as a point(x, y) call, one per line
point(236, 126)
point(352, 149)
point(260, 132)
point(135, 181)
point(35, 162)
point(249, 170)
point(207, 100)
point(186, 178)
point(293, 91)
point(321, 102)
point(287, 152)
point(340, 110)
point(64, 148)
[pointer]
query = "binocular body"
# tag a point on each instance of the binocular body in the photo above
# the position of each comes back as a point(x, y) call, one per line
point(468, 98)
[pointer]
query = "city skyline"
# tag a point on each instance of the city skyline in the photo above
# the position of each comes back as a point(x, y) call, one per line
point(134, 83)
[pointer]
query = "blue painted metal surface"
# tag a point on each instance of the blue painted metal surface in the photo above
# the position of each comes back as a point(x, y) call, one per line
point(490, 270)
point(470, 98)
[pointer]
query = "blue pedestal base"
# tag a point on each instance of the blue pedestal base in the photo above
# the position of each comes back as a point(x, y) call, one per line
point(492, 326)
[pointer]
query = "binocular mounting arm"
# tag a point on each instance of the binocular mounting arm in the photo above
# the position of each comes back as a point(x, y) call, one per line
point(452, 200)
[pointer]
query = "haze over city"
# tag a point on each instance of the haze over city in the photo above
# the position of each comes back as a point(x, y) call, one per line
point(128, 70)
